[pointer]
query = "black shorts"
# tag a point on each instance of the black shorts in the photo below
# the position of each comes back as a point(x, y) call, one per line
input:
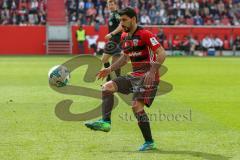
point(219, 48)
point(115, 53)
point(112, 48)
point(130, 84)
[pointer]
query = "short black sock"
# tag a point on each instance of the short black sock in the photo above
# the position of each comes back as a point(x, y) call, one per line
point(144, 125)
point(106, 65)
point(107, 105)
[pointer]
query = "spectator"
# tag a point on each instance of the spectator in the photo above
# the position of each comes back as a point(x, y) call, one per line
point(100, 11)
point(125, 3)
point(31, 19)
point(42, 18)
point(161, 36)
point(176, 43)
point(236, 45)
point(180, 21)
point(208, 20)
point(145, 20)
point(187, 14)
point(23, 20)
point(73, 17)
point(194, 6)
point(162, 15)
point(235, 21)
point(14, 19)
point(133, 3)
point(99, 19)
point(189, 45)
point(81, 6)
point(92, 42)
point(33, 6)
point(171, 19)
point(225, 21)
point(88, 4)
point(6, 4)
point(81, 19)
point(91, 13)
point(152, 13)
point(72, 6)
point(207, 43)
point(42, 6)
point(198, 19)
point(176, 5)
point(22, 12)
point(193, 44)
point(23, 3)
point(5, 16)
point(185, 45)
point(218, 44)
point(197, 12)
point(216, 19)
point(14, 5)
point(81, 37)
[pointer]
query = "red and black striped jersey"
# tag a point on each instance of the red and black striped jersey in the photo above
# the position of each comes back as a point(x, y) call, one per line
point(143, 46)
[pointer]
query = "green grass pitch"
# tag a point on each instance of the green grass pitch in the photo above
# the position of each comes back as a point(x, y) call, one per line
point(206, 91)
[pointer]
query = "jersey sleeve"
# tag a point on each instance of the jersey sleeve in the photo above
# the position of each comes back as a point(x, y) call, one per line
point(151, 40)
point(117, 17)
point(123, 37)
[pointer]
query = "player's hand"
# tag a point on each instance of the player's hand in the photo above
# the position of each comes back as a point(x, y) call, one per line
point(103, 73)
point(149, 78)
point(108, 36)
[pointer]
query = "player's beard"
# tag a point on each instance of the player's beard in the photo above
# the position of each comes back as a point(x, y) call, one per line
point(127, 28)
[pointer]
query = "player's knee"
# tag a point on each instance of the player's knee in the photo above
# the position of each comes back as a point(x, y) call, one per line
point(105, 58)
point(115, 58)
point(137, 106)
point(109, 87)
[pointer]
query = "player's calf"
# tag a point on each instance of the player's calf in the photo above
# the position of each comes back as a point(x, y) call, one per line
point(144, 125)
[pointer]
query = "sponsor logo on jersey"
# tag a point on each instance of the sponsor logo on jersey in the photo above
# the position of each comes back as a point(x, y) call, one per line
point(135, 54)
point(154, 41)
point(135, 42)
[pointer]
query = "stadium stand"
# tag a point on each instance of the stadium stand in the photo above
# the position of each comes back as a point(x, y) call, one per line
point(22, 12)
point(160, 12)
point(56, 12)
point(201, 13)
point(184, 23)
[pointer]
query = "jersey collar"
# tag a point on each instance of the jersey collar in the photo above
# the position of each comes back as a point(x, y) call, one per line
point(138, 28)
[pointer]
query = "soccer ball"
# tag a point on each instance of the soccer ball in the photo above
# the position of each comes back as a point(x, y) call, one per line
point(58, 76)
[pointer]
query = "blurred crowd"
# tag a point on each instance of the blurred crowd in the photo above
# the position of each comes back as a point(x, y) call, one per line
point(22, 12)
point(209, 43)
point(150, 12)
point(159, 12)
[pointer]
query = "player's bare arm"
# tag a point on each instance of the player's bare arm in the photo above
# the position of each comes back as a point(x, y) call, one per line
point(118, 64)
point(155, 66)
point(116, 31)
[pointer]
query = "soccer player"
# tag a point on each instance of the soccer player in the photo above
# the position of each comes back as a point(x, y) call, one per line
point(146, 55)
point(114, 35)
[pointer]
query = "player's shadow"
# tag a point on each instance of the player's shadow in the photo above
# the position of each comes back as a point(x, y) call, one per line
point(207, 156)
